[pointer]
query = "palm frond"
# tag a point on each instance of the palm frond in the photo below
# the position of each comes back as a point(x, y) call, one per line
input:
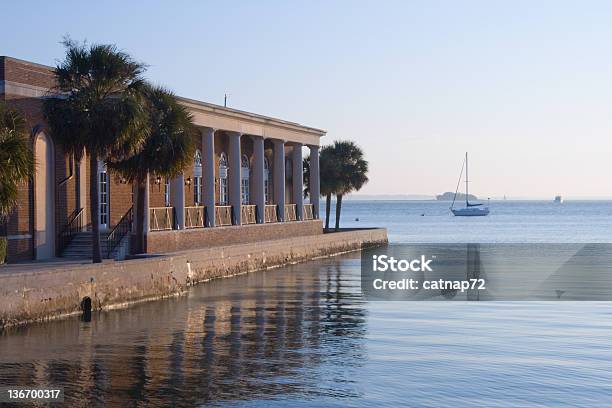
point(169, 145)
point(16, 158)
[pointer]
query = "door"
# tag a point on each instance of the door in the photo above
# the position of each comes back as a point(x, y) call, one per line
point(103, 196)
point(44, 233)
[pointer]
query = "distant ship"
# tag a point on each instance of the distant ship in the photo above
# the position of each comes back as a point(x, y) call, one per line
point(470, 209)
point(558, 199)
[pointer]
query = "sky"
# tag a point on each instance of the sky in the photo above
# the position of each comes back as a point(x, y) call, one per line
point(524, 86)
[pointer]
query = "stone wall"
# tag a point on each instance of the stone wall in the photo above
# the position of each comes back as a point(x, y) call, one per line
point(58, 291)
point(176, 240)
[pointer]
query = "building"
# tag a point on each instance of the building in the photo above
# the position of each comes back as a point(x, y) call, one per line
point(247, 170)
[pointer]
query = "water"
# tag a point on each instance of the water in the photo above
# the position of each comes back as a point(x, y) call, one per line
point(510, 221)
point(304, 336)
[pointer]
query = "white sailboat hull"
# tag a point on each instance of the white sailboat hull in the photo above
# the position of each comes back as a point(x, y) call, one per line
point(470, 211)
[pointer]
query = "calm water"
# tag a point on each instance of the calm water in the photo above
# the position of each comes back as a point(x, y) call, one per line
point(510, 221)
point(304, 335)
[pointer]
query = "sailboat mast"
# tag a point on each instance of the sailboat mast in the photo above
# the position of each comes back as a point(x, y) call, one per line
point(466, 179)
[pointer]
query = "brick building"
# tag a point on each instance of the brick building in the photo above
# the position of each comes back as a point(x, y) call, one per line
point(244, 172)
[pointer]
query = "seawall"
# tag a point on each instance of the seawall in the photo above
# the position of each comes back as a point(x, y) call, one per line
point(58, 290)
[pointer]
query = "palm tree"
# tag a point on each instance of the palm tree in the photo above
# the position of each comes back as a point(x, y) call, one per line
point(329, 178)
point(167, 150)
point(352, 171)
point(16, 159)
point(99, 112)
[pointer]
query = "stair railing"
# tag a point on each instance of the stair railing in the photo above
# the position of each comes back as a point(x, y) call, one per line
point(123, 227)
point(72, 227)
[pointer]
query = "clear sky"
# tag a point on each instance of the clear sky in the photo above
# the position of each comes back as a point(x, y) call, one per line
point(524, 86)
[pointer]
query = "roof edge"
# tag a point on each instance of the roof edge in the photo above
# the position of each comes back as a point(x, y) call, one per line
point(206, 105)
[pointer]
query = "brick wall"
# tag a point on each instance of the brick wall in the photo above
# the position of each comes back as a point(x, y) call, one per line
point(19, 226)
point(20, 223)
point(25, 72)
point(171, 241)
point(289, 175)
point(120, 199)
point(65, 188)
point(156, 193)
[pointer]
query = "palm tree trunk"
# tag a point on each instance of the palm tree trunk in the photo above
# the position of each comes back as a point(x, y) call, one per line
point(338, 209)
point(94, 209)
point(327, 210)
point(140, 215)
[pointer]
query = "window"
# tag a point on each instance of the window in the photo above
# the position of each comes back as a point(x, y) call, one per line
point(167, 192)
point(244, 180)
point(197, 161)
point(197, 178)
point(223, 193)
point(197, 190)
point(103, 194)
point(267, 180)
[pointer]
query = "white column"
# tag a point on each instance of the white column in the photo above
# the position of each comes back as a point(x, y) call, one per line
point(258, 178)
point(208, 174)
point(177, 189)
point(279, 178)
point(315, 185)
point(298, 181)
point(146, 221)
point(234, 177)
point(83, 189)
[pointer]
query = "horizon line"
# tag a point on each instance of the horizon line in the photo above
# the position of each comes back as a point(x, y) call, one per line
point(432, 197)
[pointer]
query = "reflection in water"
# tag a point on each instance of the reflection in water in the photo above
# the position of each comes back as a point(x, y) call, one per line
point(298, 336)
point(293, 331)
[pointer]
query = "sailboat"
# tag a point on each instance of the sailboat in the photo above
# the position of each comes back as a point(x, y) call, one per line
point(470, 209)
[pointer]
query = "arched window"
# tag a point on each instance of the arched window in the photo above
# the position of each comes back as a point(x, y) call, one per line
point(197, 178)
point(267, 182)
point(244, 179)
point(223, 194)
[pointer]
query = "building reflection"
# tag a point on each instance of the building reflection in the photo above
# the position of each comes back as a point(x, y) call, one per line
point(258, 336)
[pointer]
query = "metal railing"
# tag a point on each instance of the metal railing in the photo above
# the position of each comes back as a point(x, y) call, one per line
point(194, 217)
point(308, 212)
point(123, 227)
point(270, 213)
point(72, 227)
point(223, 215)
point(290, 213)
point(249, 214)
point(161, 218)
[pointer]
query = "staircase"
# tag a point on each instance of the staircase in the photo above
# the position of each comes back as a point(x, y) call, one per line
point(80, 246)
point(79, 241)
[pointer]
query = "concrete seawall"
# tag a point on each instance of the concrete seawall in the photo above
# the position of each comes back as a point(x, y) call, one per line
point(58, 290)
